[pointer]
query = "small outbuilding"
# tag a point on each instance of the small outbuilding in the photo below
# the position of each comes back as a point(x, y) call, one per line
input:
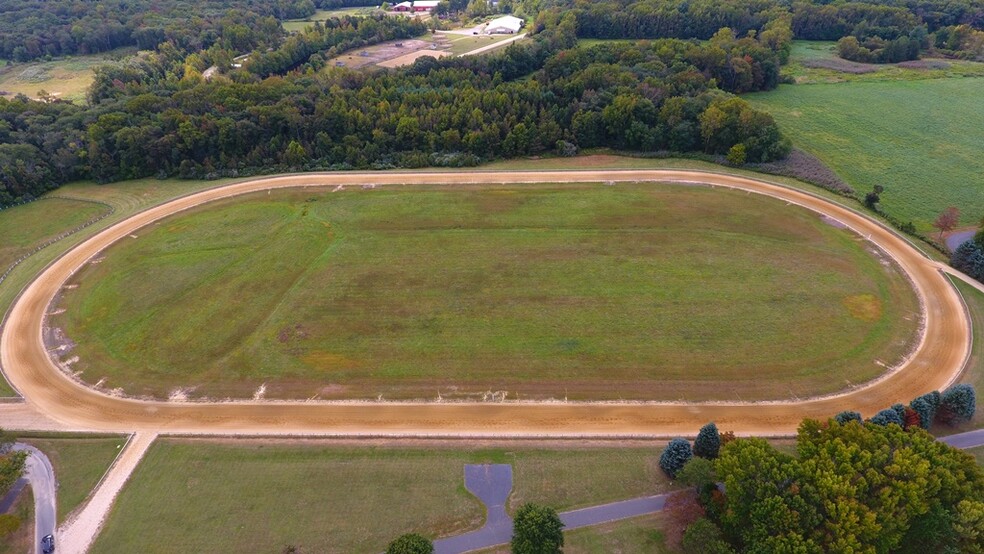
point(505, 25)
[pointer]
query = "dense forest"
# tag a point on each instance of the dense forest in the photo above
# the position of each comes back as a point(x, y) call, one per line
point(32, 29)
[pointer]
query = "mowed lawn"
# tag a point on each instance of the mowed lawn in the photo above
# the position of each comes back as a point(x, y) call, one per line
point(23, 228)
point(921, 140)
point(262, 495)
point(79, 463)
point(579, 291)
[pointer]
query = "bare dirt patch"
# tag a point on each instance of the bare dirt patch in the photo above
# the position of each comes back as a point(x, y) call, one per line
point(386, 54)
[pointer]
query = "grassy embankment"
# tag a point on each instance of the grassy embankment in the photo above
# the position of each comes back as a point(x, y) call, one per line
point(346, 498)
point(583, 291)
point(65, 78)
point(915, 131)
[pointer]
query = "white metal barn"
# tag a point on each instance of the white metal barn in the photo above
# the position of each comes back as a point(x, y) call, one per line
point(505, 25)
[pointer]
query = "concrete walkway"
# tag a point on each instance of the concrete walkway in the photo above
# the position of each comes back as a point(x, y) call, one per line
point(493, 483)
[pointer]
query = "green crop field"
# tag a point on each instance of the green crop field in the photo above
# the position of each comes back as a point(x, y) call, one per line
point(186, 494)
point(584, 291)
point(921, 140)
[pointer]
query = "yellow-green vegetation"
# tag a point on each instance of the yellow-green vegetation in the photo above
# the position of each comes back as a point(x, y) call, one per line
point(79, 462)
point(64, 78)
point(20, 541)
point(817, 62)
point(585, 291)
point(28, 226)
point(297, 25)
point(920, 139)
point(325, 498)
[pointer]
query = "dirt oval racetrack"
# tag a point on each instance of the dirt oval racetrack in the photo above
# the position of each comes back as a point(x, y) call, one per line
point(935, 364)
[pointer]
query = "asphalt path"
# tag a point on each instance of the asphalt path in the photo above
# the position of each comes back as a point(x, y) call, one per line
point(492, 484)
point(935, 364)
point(41, 476)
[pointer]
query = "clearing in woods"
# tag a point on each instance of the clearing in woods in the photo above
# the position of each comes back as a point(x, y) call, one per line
point(581, 291)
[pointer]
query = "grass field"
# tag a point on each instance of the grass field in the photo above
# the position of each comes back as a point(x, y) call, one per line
point(583, 291)
point(920, 139)
point(65, 78)
point(462, 44)
point(977, 453)
point(187, 493)
point(974, 371)
point(79, 463)
point(298, 25)
point(28, 226)
point(817, 62)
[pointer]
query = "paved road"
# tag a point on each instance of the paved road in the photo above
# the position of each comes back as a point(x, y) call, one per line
point(41, 476)
point(936, 362)
point(493, 485)
point(970, 439)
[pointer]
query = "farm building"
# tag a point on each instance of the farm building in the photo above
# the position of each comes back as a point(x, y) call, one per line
point(425, 5)
point(402, 7)
point(505, 25)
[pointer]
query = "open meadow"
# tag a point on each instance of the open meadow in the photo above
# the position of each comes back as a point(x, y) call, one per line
point(920, 139)
point(577, 291)
point(346, 498)
point(64, 78)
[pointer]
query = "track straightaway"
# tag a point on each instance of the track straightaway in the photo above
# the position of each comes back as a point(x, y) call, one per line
point(937, 361)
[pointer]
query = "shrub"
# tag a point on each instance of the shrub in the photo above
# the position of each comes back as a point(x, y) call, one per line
point(708, 442)
point(912, 418)
point(737, 155)
point(846, 416)
point(411, 543)
point(566, 149)
point(704, 537)
point(886, 417)
point(537, 530)
point(924, 407)
point(900, 411)
point(676, 455)
point(957, 404)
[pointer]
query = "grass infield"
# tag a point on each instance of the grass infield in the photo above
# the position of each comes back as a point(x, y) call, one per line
point(584, 291)
point(262, 495)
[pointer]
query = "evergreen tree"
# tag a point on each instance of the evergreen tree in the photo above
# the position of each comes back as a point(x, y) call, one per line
point(708, 442)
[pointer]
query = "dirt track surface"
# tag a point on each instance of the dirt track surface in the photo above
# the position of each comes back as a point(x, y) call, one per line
point(936, 363)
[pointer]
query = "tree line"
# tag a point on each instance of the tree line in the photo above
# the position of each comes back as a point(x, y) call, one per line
point(154, 118)
point(31, 30)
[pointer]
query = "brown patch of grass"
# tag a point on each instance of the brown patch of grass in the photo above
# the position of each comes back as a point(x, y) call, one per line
point(864, 307)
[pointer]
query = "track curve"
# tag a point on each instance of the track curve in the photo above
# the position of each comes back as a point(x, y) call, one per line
point(936, 363)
